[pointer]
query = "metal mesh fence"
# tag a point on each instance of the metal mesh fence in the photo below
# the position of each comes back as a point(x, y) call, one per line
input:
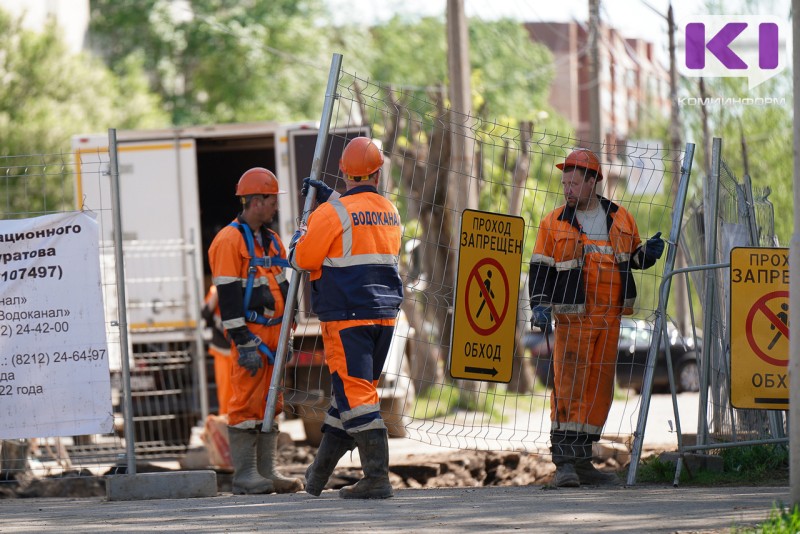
point(34, 186)
point(165, 406)
point(510, 169)
point(743, 219)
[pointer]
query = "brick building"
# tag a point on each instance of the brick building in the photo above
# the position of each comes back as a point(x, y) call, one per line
point(634, 84)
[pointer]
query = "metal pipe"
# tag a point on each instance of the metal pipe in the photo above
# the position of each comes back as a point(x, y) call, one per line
point(127, 398)
point(200, 361)
point(711, 200)
point(297, 277)
point(731, 444)
point(669, 268)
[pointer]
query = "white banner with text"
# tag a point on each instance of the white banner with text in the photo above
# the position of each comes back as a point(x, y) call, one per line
point(54, 374)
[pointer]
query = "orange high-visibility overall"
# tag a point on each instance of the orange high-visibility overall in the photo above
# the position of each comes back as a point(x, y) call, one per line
point(589, 286)
point(352, 251)
point(219, 348)
point(229, 261)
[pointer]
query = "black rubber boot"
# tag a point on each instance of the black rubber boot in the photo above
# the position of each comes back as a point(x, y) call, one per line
point(373, 447)
point(566, 477)
point(568, 448)
point(329, 453)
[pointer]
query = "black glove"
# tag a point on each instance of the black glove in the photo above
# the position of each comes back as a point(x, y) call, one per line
point(654, 247)
point(249, 358)
point(323, 191)
point(542, 317)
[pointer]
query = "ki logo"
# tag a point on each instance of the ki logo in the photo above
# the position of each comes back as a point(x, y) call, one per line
point(752, 46)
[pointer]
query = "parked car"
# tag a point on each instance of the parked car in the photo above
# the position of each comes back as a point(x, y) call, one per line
point(634, 343)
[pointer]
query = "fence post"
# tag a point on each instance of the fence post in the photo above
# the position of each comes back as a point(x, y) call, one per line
point(710, 198)
point(127, 402)
point(669, 265)
point(294, 285)
point(202, 378)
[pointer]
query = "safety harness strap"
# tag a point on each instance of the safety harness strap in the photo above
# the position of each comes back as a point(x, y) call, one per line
point(252, 316)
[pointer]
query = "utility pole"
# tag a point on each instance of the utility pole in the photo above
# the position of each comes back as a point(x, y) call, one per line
point(595, 126)
point(606, 187)
point(681, 290)
point(794, 281)
point(462, 184)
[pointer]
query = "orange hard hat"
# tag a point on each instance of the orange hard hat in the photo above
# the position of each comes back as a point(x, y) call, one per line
point(585, 159)
point(257, 181)
point(361, 157)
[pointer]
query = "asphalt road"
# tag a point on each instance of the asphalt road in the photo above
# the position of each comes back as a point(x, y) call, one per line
point(486, 509)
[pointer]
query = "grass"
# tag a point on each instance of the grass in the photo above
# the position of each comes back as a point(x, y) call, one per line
point(781, 521)
point(751, 466)
point(442, 400)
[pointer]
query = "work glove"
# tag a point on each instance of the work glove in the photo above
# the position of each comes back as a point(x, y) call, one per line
point(542, 317)
point(300, 232)
point(654, 247)
point(323, 191)
point(249, 357)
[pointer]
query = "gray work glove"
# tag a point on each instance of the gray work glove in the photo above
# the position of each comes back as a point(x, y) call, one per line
point(249, 358)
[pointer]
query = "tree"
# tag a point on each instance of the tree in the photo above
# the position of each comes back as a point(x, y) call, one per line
point(510, 78)
point(766, 130)
point(220, 60)
point(50, 95)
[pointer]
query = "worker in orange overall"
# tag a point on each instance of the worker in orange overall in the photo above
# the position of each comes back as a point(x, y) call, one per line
point(580, 271)
point(352, 250)
point(248, 263)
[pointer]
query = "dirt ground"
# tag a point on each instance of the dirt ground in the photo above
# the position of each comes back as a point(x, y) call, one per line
point(447, 469)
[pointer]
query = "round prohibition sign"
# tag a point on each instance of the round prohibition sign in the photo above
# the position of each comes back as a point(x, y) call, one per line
point(475, 275)
point(761, 306)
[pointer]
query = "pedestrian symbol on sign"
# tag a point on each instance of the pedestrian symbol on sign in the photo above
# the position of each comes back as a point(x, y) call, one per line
point(784, 318)
point(487, 286)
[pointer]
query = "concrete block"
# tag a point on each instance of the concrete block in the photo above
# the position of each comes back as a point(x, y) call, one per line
point(694, 462)
point(173, 485)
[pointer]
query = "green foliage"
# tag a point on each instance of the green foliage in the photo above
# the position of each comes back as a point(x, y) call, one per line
point(48, 96)
point(220, 60)
point(762, 459)
point(410, 54)
point(782, 520)
point(766, 131)
point(443, 400)
point(753, 465)
point(510, 72)
point(655, 470)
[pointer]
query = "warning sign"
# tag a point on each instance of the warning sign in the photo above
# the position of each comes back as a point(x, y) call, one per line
point(760, 328)
point(487, 293)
